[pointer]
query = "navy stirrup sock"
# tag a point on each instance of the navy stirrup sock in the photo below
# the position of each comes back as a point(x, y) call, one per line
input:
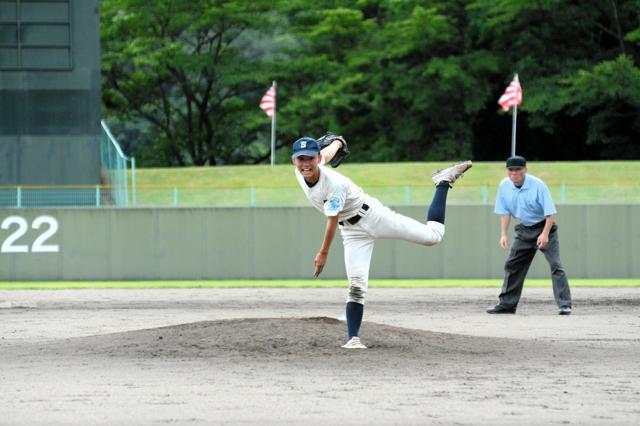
point(438, 204)
point(354, 318)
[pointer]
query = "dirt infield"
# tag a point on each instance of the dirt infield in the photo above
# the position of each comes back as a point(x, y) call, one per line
point(273, 356)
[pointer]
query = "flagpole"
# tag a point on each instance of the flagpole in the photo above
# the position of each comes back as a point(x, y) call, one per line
point(513, 130)
point(513, 126)
point(273, 129)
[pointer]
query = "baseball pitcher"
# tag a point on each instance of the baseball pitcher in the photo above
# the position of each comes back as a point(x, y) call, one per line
point(362, 219)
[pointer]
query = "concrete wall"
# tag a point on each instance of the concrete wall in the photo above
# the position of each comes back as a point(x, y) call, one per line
point(50, 93)
point(280, 243)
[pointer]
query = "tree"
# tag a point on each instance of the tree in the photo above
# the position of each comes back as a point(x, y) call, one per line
point(579, 67)
point(396, 78)
point(184, 71)
point(402, 80)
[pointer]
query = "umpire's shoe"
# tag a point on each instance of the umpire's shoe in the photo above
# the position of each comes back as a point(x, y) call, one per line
point(451, 174)
point(499, 309)
point(565, 310)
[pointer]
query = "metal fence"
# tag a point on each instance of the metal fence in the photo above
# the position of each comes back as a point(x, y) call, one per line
point(149, 196)
point(68, 196)
point(117, 186)
point(113, 191)
point(163, 196)
point(114, 174)
point(170, 196)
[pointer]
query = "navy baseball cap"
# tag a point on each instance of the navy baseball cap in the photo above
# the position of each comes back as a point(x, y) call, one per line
point(306, 146)
point(516, 162)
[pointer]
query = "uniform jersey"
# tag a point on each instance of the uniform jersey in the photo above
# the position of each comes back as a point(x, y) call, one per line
point(333, 194)
point(530, 203)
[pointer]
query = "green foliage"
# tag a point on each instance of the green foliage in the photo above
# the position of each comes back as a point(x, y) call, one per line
point(607, 93)
point(181, 68)
point(577, 64)
point(401, 79)
point(404, 90)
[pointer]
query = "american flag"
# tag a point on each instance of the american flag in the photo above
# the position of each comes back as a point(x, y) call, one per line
point(512, 96)
point(268, 101)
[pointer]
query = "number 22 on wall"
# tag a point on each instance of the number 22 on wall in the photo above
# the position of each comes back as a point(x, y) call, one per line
point(9, 245)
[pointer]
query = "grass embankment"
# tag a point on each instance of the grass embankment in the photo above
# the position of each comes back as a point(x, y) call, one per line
point(390, 174)
point(392, 183)
point(439, 283)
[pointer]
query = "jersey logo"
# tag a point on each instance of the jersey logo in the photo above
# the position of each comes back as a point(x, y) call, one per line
point(334, 204)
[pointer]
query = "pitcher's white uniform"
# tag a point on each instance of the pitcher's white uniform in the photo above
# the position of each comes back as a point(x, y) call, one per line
point(336, 195)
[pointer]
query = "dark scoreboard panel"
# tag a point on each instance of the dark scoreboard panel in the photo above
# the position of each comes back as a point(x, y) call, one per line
point(49, 92)
point(35, 35)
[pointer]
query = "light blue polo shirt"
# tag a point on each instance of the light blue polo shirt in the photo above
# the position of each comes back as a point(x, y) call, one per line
point(529, 204)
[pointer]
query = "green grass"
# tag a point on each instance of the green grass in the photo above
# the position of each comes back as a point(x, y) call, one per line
point(392, 183)
point(389, 174)
point(422, 283)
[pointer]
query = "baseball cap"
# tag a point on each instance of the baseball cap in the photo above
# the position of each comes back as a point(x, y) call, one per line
point(305, 146)
point(516, 162)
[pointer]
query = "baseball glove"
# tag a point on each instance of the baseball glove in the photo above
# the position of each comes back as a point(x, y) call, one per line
point(341, 154)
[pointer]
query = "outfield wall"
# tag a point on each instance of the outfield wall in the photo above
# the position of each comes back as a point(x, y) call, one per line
point(596, 241)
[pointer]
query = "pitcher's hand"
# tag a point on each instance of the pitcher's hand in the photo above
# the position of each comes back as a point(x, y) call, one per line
point(320, 261)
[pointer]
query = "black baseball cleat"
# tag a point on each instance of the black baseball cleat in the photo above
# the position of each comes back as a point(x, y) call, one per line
point(499, 309)
point(565, 310)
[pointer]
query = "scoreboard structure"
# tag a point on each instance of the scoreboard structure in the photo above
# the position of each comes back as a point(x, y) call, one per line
point(49, 92)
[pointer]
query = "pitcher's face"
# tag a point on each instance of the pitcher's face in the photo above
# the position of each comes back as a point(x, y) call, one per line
point(308, 167)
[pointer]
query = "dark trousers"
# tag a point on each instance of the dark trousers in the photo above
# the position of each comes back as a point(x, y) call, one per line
point(520, 257)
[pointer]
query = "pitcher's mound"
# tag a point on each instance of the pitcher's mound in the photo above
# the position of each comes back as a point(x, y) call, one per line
point(285, 339)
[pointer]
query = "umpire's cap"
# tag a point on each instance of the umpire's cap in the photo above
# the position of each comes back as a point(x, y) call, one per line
point(516, 162)
point(306, 146)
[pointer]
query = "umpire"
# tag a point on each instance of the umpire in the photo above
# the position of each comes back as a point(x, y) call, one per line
point(527, 198)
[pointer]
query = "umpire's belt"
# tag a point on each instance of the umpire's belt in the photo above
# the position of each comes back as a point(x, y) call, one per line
point(536, 225)
point(354, 219)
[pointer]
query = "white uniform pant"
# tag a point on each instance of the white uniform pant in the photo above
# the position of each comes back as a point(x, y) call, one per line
point(376, 223)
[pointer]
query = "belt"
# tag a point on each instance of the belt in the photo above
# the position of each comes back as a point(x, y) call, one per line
point(354, 219)
point(536, 225)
